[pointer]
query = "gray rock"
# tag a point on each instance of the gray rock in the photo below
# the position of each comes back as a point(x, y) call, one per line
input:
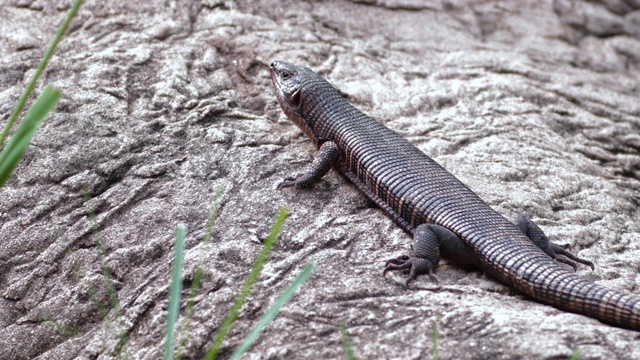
point(532, 104)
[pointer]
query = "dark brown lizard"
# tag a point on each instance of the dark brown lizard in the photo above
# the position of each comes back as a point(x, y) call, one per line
point(444, 216)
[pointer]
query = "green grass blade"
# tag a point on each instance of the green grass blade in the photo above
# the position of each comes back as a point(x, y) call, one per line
point(346, 343)
point(248, 284)
point(16, 147)
point(197, 276)
point(575, 355)
point(435, 339)
point(174, 292)
point(41, 66)
point(273, 311)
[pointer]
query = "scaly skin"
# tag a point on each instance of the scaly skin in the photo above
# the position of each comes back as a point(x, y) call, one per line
point(414, 190)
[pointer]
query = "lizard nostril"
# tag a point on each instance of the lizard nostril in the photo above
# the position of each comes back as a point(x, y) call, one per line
point(273, 65)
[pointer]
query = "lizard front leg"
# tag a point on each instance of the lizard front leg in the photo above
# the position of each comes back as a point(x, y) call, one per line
point(322, 163)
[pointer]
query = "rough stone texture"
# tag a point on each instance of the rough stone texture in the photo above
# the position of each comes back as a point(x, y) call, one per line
point(533, 104)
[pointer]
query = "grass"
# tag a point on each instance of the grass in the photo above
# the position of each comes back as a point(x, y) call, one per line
point(11, 154)
point(73, 11)
point(246, 288)
point(174, 292)
point(16, 147)
point(575, 355)
point(435, 339)
point(346, 343)
point(273, 311)
point(176, 286)
point(197, 277)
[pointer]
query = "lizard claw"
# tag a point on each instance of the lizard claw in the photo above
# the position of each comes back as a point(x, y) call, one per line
point(397, 261)
point(416, 266)
point(562, 250)
point(287, 182)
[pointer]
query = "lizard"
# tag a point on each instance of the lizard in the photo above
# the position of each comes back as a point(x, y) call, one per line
point(445, 218)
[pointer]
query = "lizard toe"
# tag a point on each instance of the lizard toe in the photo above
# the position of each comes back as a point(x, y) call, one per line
point(287, 182)
point(415, 265)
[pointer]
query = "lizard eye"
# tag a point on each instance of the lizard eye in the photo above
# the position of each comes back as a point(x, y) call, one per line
point(285, 75)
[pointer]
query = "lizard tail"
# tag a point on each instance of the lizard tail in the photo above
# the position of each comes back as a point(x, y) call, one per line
point(556, 286)
point(584, 297)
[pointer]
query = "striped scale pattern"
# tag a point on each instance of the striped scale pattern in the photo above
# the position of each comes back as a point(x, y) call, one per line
point(414, 189)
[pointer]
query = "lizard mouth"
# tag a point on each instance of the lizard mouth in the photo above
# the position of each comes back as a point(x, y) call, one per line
point(276, 83)
point(274, 76)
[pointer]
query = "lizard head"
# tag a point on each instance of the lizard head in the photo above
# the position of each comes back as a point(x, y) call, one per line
point(289, 81)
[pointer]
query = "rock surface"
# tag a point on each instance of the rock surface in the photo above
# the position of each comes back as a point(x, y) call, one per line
point(533, 104)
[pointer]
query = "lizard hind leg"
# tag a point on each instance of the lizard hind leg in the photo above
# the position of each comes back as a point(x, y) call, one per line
point(538, 237)
point(429, 242)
